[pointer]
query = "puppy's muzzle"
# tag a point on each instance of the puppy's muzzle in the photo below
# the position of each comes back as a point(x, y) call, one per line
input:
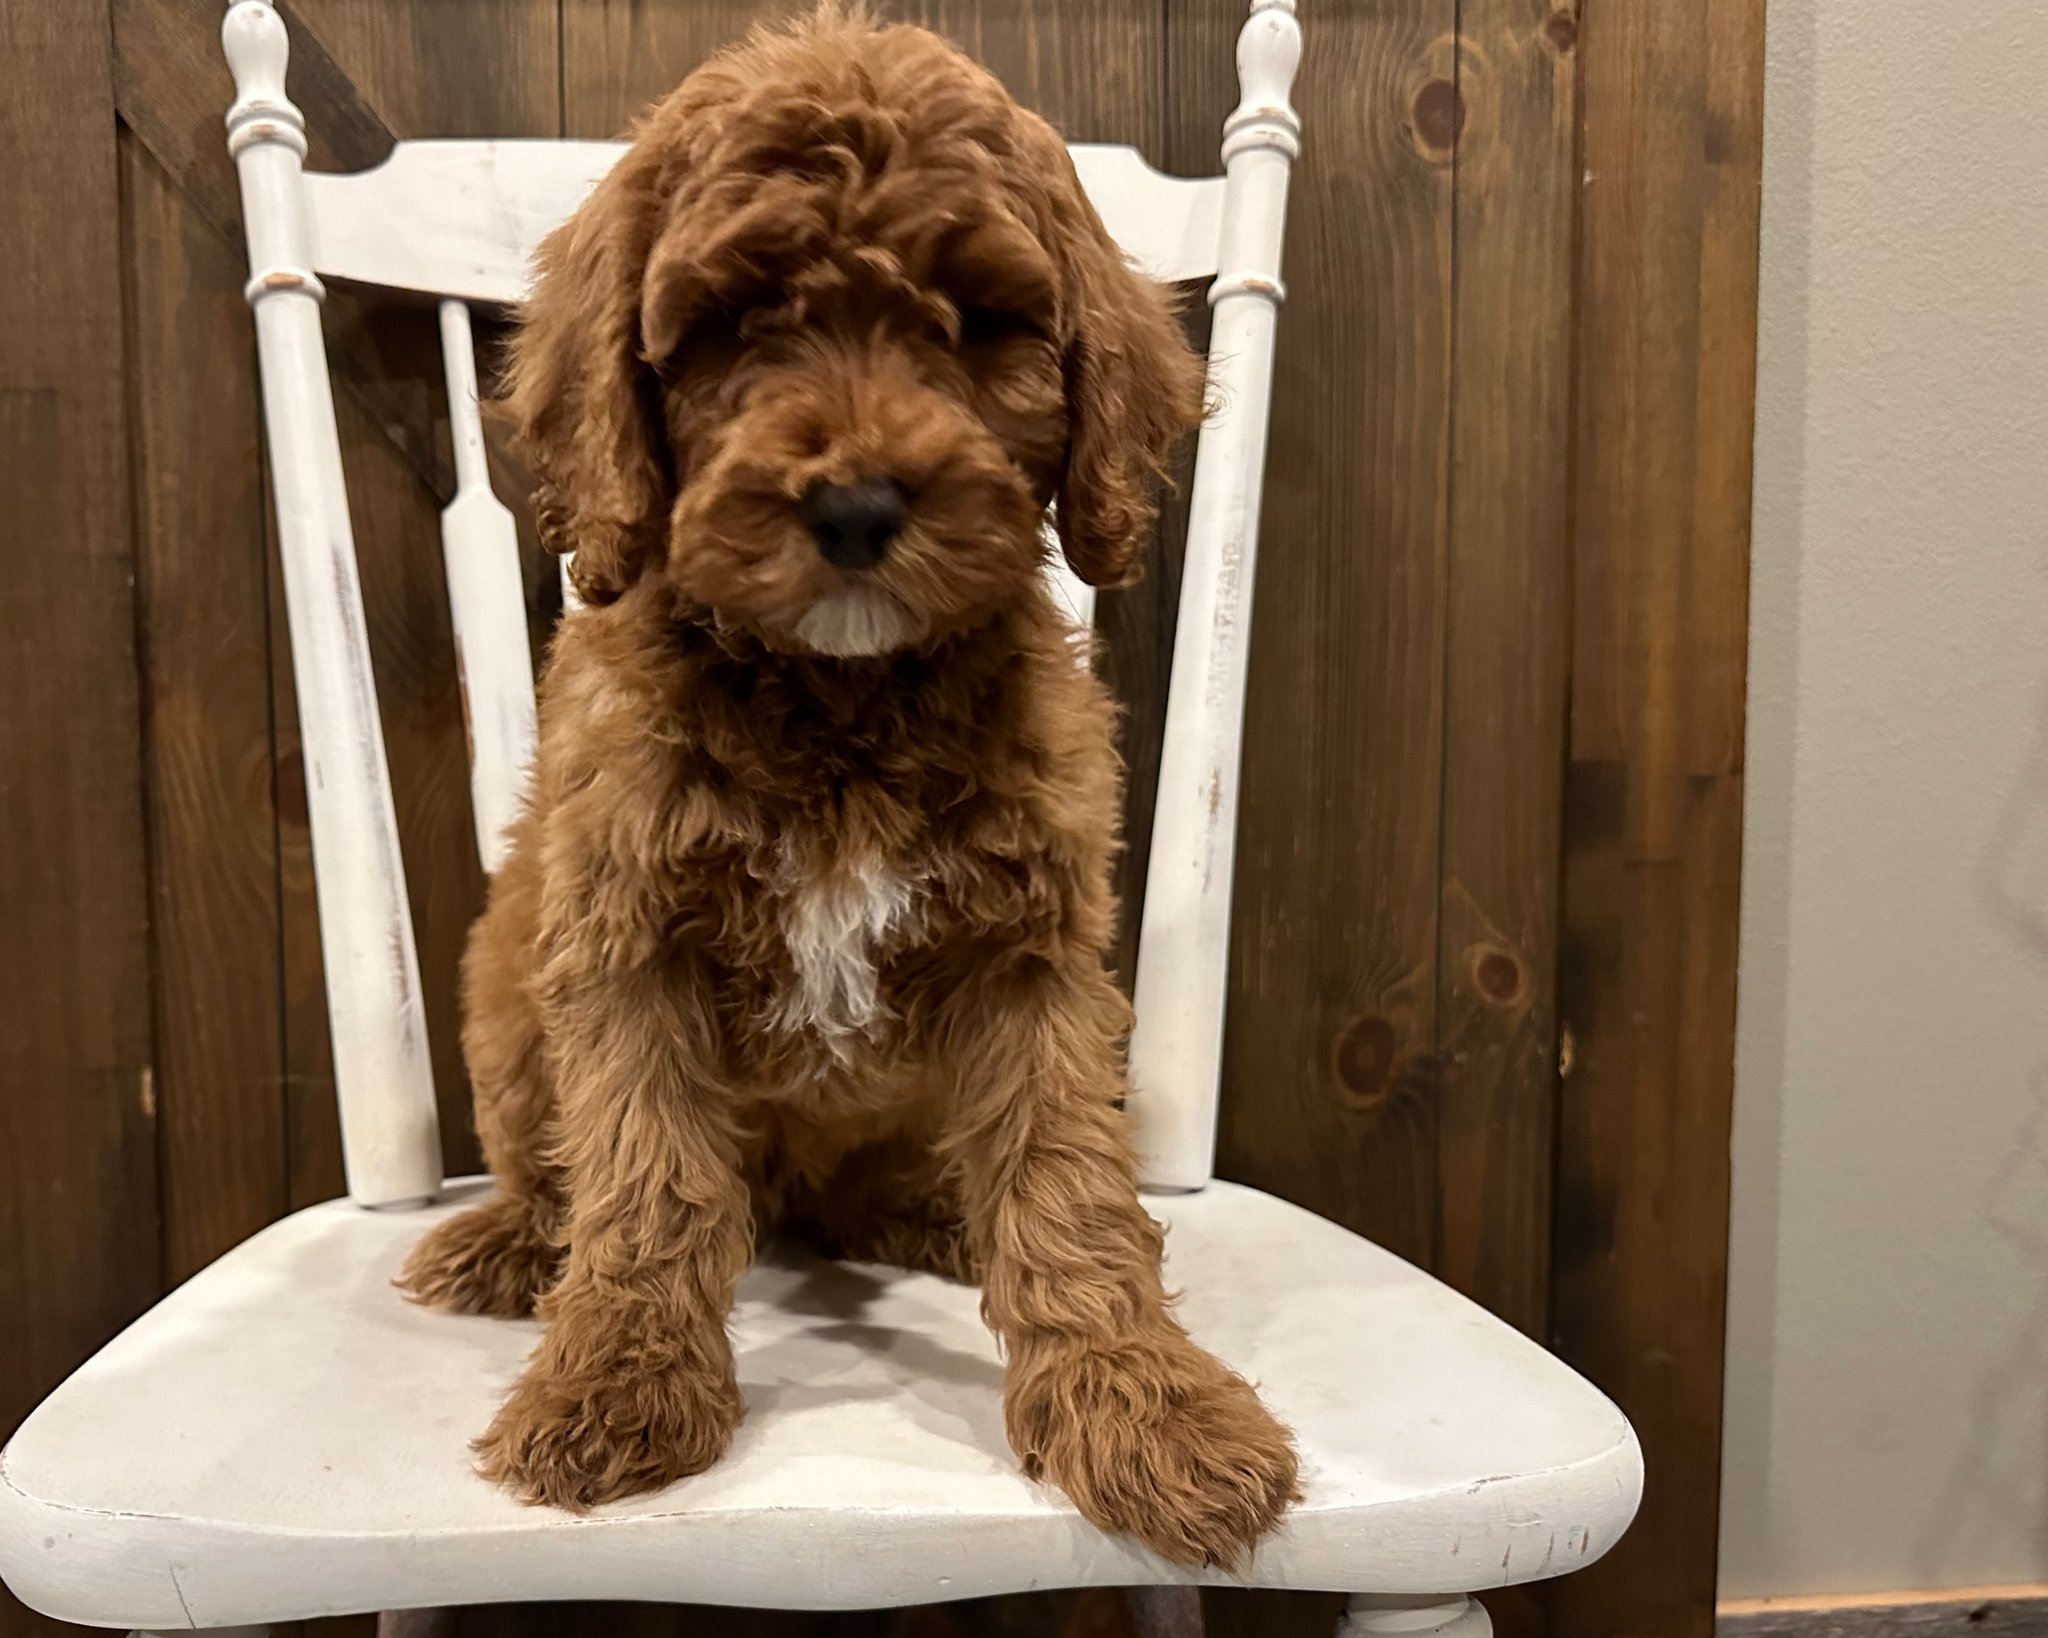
point(853, 523)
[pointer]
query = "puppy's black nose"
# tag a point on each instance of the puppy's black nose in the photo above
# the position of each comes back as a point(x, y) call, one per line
point(853, 523)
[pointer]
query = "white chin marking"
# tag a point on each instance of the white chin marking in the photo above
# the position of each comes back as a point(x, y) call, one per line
point(857, 621)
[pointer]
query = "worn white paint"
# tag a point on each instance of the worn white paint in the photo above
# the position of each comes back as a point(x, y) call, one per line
point(1184, 938)
point(292, 1436)
point(489, 205)
point(1887, 1403)
point(391, 1142)
point(284, 1437)
point(480, 549)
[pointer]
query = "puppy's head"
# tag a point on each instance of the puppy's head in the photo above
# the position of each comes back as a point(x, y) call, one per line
point(829, 338)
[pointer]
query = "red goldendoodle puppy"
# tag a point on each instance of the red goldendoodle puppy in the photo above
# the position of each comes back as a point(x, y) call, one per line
point(805, 921)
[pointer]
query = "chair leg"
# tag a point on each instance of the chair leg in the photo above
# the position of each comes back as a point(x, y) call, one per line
point(429, 1623)
point(1431, 1615)
point(218, 1632)
point(1164, 1612)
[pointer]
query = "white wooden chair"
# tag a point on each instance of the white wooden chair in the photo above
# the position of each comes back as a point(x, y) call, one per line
point(284, 1437)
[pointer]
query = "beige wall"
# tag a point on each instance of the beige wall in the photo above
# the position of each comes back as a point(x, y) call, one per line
point(1888, 1324)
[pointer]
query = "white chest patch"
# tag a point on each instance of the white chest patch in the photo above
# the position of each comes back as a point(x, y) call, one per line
point(836, 927)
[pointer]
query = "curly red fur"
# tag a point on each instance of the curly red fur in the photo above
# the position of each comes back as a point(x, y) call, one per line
point(792, 939)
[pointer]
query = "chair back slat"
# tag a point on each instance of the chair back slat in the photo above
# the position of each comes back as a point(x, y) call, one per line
point(456, 218)
point(460, 220)
point(491, 203)
point(480, 548)
point(1069, 590)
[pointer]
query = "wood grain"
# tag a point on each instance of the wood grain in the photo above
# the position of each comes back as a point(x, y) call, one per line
point(205, 621)
point(447, 68)
point(1672, 115)
point(77, 1125)
point(1507, 643)
point(618, 56)
point(1333, 997)
point(78, 1199)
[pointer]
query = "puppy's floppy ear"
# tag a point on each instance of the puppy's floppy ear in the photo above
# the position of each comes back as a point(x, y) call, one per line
point(585, 409)
point(1134, 388)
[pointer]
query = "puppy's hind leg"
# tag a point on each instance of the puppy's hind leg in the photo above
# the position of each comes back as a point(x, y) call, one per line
point(496, 1258)
point(500, 1256)
point(889, 1203)
point(924, 1242)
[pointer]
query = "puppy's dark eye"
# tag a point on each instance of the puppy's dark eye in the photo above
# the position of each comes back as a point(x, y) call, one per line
point(984, 326)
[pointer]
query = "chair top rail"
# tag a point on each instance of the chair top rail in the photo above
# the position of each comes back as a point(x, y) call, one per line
point(492, 202)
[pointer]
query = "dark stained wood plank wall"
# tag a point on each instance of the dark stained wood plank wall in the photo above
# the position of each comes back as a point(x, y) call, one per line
point(204, 616)
point(1665, 347)
point(1507, 647)
point(79, 1241)
point(80, 1244)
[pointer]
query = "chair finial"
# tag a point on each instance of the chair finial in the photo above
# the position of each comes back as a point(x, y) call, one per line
point(1268, 54)
point(253, 37)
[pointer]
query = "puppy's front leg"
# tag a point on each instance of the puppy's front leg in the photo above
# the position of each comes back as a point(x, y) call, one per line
point(1105, 1394)
point(632, 1385)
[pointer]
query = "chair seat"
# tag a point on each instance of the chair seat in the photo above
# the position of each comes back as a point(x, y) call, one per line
point(285, 1437)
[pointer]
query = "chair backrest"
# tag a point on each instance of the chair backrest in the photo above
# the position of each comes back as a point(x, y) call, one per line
point(485, 206)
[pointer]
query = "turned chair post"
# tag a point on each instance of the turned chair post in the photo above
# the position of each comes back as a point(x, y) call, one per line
point(390, 1135)
point(1184, 936)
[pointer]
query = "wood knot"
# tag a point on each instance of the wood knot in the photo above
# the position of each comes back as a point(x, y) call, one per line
point(1496, 974)
point(1363, 1058)
point(1562, 31)
point(1438, 115)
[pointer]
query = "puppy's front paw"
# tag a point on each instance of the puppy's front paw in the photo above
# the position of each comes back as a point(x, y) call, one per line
point(1164, 1443)
point(578, 1439)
